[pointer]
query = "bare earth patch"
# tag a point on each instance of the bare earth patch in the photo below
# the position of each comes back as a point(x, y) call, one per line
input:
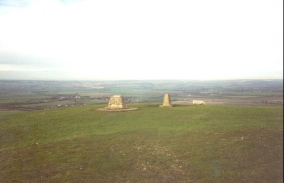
point(117, 110)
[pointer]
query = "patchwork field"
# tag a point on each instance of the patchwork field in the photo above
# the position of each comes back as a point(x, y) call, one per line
point(214, 143)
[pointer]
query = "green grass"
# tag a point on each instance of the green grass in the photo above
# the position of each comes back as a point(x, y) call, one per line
point(152, 144)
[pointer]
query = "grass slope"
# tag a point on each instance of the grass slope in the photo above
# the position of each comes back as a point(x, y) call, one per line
point(152, 144)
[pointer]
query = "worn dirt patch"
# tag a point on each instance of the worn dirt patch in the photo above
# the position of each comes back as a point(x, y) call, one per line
point(117, 110)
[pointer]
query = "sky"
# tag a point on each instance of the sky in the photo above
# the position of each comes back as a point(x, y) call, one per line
point(141, 39)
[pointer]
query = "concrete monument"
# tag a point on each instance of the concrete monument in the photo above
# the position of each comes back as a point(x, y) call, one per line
point(167, 101)
point(116, 102)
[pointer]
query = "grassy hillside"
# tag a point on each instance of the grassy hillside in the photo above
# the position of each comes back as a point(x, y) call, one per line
point(152, 144)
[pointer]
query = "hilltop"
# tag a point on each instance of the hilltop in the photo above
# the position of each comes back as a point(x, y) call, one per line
point(151, 144)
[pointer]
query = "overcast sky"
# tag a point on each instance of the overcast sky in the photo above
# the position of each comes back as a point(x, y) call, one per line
point(141, 39)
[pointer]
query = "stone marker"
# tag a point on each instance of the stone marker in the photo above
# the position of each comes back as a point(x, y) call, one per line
point(167, 101)
point(116, 102)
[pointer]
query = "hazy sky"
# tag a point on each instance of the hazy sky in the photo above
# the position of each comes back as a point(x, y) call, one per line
point(141, 39)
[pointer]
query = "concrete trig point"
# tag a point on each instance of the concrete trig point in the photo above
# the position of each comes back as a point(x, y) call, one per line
point(167, 101)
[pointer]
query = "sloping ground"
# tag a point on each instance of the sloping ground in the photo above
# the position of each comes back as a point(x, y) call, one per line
point(151, 144)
